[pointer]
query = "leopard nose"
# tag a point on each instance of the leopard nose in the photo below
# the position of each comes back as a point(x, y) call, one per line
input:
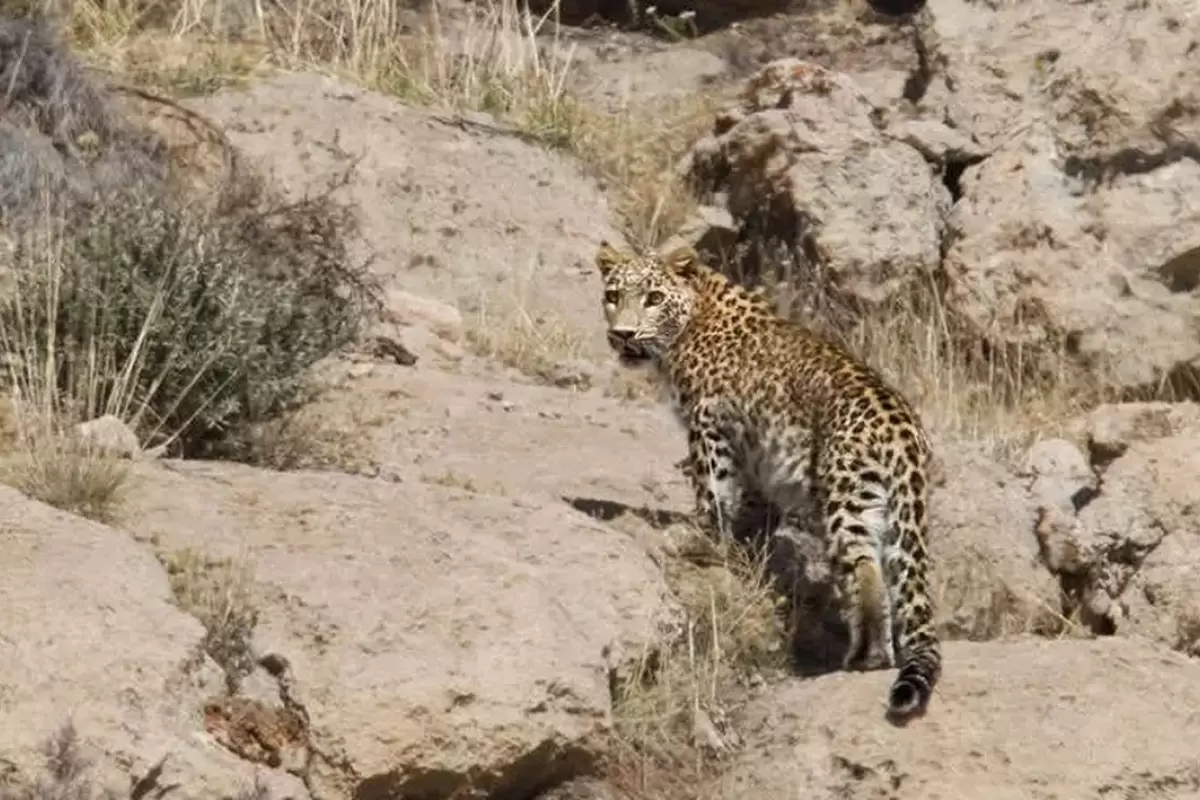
point(620, 335)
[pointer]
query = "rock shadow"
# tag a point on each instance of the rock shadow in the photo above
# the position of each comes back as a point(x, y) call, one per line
point(608, 510)
point(795, 562)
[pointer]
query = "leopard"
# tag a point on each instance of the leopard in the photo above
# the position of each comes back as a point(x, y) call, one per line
point(773, 409)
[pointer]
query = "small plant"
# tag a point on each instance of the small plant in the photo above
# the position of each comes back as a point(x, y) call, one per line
point(669, 712)
point(451, 479)
point(52, 466)
point(636, 152)
point(532, 347)
point(675, 26)
point(218, 593)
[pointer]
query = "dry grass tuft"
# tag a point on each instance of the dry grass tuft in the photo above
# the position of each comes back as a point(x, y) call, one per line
point(507, 329)
point(670, 712)
point(635, 153)
point(453, 479)
point(51, 466)
point(306, 439)
point(1004, 401)
point(218, 592)
point(529, 346)
point(48, 396)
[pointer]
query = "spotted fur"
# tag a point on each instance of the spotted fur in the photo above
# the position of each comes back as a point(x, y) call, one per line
point(774, 411)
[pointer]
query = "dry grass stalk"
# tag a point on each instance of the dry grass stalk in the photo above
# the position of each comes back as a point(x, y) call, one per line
point(510, 330)
point(219, 593)
point(48, 461)
point(1005, 400)
point(1005, 403)
point(516, 340)
point(670, 712)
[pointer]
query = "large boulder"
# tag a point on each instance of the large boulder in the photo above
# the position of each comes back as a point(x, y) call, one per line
point(1128, 554)
point(438, 639)
point(93, 642)
point(1081, 230)
point(1103, 274)
point(460, 208)
point(988, 573)
point(1012, 720)
point(1104, 76)
point(1035, 167)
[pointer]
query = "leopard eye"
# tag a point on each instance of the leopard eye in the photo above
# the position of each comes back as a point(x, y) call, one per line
point(611, 297)
point(654, 298)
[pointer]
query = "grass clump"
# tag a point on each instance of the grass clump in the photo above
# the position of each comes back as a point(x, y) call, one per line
point(531, 347)
point(670, 711)
point(218, 592)
point(304, 439)
point(53, 467)
point(1001, 398)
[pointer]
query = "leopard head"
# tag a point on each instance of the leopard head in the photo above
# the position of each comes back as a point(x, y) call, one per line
point(648, 300)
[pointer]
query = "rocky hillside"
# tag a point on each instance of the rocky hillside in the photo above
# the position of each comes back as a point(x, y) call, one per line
point(363, 508)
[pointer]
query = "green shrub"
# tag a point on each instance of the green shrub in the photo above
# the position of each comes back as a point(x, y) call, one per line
point(189, 322)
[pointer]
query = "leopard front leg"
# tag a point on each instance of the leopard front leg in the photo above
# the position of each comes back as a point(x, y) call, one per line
point(713, 467)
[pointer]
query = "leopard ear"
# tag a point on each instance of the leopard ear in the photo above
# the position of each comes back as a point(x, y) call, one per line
point(683, 261)
point(608, 258)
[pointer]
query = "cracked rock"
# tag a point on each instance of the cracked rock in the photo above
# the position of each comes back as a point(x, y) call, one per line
point(801, 164)
point(1077, 235)
point(1061, 475)
point(1129, 561)
point(987, 564)
point(1038, 262)
point(439, 641)
point(91, 635)
point(936, 140)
